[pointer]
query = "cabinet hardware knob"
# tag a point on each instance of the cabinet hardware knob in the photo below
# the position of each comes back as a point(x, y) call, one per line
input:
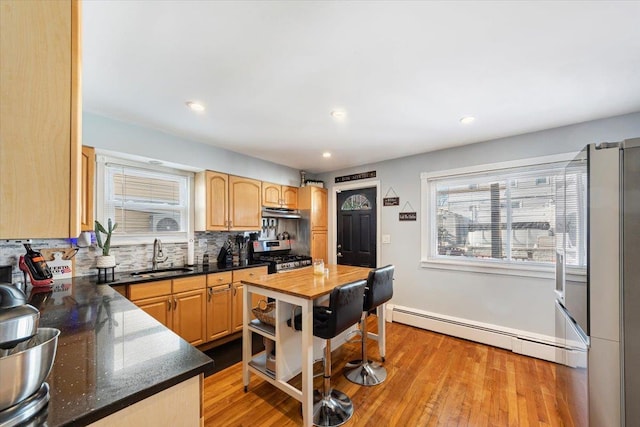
point(175, 304)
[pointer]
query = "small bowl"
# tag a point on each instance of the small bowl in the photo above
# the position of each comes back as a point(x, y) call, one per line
point(27, 366)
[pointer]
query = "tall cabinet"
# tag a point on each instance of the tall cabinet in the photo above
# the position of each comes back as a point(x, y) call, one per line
point(40, 112)
point(312, 202)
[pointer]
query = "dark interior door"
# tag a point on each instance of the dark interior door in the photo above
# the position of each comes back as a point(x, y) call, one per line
point(356, 218)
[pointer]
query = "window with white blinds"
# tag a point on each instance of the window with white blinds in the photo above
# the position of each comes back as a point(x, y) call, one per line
point(505, 215)
point(144, 200)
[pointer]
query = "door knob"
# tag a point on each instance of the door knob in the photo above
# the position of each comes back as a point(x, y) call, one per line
point(339, 255)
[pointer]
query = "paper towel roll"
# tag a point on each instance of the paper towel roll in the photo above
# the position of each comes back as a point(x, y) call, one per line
point(190, 251)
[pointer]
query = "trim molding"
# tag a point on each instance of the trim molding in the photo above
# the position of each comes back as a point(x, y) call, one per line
point(526, 343)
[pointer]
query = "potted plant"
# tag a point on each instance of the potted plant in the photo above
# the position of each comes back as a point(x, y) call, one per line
point(106, 260)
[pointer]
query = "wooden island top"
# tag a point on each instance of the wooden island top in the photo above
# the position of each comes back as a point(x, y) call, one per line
point(303, 283)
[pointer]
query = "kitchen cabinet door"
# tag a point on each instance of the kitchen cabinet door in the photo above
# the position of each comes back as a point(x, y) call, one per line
point(319, 245)
point(271, 195)
point(40, 117)
point(244, 203)
point(289, 197)
point(314, 199)
point(212, 201)
point(218, 311)
point(160, 308)
point(87, 178)
point(189, 315)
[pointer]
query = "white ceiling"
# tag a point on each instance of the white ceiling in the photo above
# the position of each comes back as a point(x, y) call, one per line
point(271, 72)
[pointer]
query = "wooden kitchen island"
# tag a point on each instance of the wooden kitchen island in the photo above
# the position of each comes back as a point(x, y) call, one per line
point(294, 292)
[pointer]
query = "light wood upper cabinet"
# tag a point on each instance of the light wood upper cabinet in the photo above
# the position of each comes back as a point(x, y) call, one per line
point(271, 195)
point(40, 116)
point(244, 203)
point(226, 202)
point(279, 196)
point(87, 188)
point(212, 201)
point(314, 199)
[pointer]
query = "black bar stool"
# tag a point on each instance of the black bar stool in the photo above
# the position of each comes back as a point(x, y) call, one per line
point(378, 291)
point(332, 407)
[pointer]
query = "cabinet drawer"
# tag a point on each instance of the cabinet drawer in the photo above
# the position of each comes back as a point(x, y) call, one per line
point(249, 273)
point(215, 279)
point(149, 290)
point(189, 284)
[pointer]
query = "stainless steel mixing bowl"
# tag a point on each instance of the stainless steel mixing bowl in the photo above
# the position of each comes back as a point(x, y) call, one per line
point(26, 367)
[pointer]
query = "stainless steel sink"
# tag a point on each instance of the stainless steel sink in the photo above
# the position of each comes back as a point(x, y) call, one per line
point(161, 272)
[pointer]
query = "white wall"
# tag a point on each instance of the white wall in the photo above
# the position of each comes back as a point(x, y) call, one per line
point(110, 134)
point(525, 304)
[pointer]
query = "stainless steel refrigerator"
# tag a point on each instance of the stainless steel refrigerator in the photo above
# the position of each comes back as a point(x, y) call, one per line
point(598, 310)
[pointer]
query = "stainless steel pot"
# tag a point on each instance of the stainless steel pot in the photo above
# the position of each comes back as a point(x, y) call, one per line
point(18, 320)
point(27, 366)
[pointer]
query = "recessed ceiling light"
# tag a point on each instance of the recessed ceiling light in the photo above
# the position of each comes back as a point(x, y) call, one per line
point(195, 106)
point(337, 114)
point(326, 154)
point(467, 120)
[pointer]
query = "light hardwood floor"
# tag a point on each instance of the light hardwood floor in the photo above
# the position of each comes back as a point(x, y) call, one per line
point(433, 380)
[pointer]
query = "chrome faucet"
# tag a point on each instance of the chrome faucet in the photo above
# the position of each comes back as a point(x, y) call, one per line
point(157, 254)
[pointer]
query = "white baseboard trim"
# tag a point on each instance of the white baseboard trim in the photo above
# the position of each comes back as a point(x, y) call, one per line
point(529, 344)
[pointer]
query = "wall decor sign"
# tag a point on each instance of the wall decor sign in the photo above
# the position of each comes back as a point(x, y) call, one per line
point(356, 176)
point(407, 215)
point(391, 201)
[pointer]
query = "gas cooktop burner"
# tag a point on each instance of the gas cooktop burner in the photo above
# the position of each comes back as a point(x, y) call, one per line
point(279, 263)
point(28, 412)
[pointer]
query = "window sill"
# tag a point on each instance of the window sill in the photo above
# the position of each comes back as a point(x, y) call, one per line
point(131, 240)
point(537, 271)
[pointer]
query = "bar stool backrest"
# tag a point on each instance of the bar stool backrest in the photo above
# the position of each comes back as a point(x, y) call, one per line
point(345, 310)
point(379, 287)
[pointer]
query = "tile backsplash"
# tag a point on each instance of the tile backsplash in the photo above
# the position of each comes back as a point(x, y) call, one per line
point(128, 257)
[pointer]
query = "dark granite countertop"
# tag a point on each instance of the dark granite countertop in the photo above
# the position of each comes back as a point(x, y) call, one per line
point(110, 353)
point(126, 277)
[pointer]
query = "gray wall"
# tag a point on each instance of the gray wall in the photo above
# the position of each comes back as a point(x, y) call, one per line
point(508, 301)
point(115, 135)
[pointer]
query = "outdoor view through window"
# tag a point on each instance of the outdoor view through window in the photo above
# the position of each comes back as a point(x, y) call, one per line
point(507, 215)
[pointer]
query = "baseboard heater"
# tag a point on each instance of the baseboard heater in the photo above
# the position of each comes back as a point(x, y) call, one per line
point(538, 346)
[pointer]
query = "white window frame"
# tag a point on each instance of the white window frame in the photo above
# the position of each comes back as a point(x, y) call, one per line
point(428, 223)
point(136, 239)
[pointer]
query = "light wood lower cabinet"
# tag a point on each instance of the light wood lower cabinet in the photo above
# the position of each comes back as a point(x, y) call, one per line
point(198, 308)
point(179, 304)
point(218, 305)
point(238, 289)
point(159, 308)
point(190, 316)
point(319, 245)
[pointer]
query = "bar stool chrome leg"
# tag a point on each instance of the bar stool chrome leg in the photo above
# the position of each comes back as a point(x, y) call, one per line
point(364, 371)
point(330, 407)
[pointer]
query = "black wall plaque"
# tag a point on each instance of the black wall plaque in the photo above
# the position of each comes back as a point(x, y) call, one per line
point(408, 216)
point(356, 176)
point(391, 201)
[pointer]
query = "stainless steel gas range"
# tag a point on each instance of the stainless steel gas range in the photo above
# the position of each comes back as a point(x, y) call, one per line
point(278, 254)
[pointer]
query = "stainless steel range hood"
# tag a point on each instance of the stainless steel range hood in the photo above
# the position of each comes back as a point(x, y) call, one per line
point(280, 213)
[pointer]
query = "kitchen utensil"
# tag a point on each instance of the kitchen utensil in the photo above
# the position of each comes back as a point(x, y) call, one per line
point(18, 320)
point(26, 367)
